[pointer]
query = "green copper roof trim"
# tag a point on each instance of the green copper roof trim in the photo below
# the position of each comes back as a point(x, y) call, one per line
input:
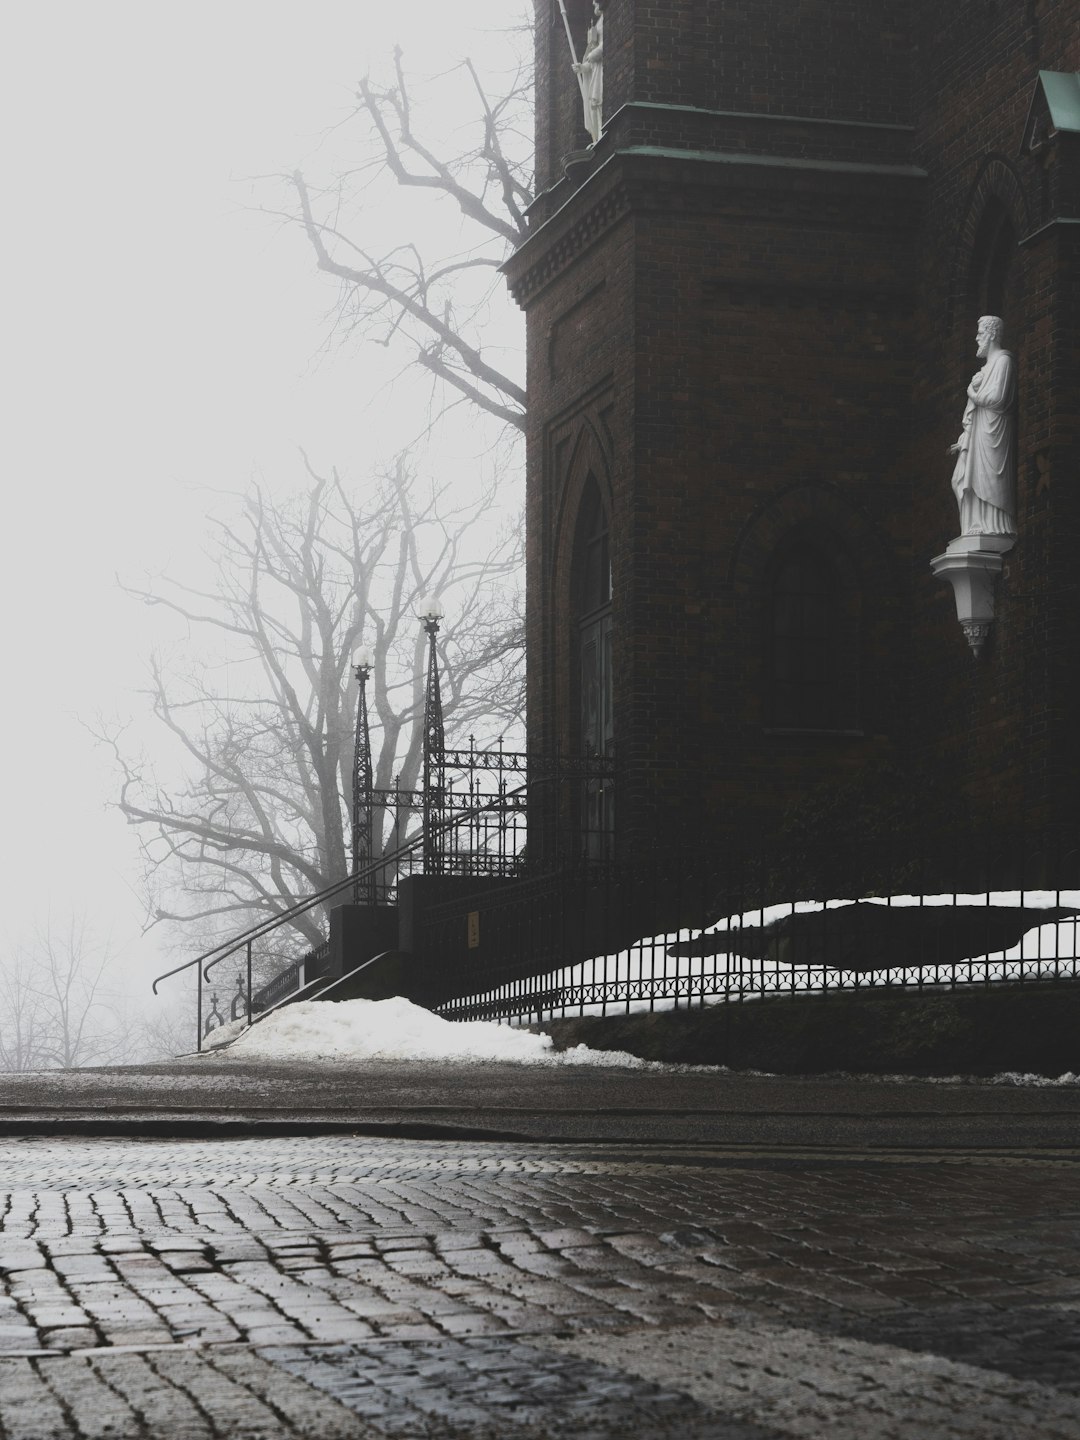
point(759, 115)
point(1062, 91)
point(781, 162)
point(1050, 225)
point(713, 157)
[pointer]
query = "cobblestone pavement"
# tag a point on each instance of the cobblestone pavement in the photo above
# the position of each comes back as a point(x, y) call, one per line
point(339, 1286)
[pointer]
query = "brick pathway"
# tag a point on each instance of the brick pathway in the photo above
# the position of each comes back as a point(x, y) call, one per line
point(342, 1286)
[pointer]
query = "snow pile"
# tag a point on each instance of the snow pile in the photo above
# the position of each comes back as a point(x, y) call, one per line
point(1019, 1079)
point(1016, 1077)
point(398, 1030)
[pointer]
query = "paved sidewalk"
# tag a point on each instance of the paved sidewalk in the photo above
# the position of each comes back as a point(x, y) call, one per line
point(334, 1285)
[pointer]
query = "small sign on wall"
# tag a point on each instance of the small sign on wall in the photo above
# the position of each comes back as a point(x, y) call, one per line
point(474, 929)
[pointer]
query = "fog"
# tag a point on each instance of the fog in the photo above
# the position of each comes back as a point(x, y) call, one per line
point(163, 341)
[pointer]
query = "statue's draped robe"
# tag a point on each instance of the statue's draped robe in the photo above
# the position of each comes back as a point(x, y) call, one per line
point(985, 475)
point(591, 79)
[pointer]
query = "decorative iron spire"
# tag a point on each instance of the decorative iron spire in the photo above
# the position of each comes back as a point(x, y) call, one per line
point(362, 800)
point(431, 612)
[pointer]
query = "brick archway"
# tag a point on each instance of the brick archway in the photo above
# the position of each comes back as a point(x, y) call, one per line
point(587, 465)
point(815, 514)
point(996, 184)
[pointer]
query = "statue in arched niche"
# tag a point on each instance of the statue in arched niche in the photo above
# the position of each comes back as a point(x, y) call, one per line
point(984, 479)
point(590, 74)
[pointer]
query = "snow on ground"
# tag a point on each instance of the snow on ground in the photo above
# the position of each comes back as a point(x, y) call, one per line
point(644, 971)
point(398, 1030)
point(351, 1030)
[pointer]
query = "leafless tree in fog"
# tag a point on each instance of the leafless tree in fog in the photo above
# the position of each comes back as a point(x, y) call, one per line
point(410, 293)
point(58, 1008)
point(263, 717)
point(22, 1018)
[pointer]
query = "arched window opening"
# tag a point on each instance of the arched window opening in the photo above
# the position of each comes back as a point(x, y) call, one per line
point(594, 552)
point(813, 662)
point(591, 608)
point(593, 622)
point(995, 269)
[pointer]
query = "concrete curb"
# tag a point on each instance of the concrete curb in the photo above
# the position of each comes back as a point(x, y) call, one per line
point(205, 1127)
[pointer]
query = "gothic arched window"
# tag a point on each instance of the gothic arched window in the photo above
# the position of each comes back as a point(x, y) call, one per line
point(591, 608)
point(994, 261)
point(813, 645)
point(994, 276)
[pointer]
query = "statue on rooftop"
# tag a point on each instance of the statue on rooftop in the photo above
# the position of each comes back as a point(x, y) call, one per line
point(984, 480)
point(590, 74)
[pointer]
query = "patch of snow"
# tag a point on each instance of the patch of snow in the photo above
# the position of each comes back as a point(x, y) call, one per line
point(645, 971)
point(1033, 899)
point(1006, 1077)
point(396, 1029)
point(223, 1035)
point(399, 1030)
point(1015, 1077)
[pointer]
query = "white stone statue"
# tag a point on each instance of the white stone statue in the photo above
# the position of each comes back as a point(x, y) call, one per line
point(984, 480)
point(590, 74)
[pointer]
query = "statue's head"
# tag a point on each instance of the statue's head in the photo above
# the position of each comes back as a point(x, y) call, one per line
point(597, 12)
point(991, 329)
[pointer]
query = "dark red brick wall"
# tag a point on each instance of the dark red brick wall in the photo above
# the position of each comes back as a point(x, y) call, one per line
point(820, 60)
point(766, 408)
point(1007, 723)
point(817, 58)
point(773, 341)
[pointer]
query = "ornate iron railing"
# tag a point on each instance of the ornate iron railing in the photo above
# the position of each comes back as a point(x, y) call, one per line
point(620, 938)
point(477, 817)
point(243, 945)
point(311, 966)
point(475, 825)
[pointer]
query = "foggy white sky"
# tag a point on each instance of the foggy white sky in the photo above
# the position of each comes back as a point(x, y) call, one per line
point(160, 338)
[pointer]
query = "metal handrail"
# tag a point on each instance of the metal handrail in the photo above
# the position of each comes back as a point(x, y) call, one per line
point(229, 947)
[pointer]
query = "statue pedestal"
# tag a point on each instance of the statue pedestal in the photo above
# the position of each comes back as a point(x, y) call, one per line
point(578, 163)
point(971, 564)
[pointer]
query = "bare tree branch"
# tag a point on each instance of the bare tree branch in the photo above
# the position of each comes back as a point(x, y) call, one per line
point(255, 812)
point(412, 294)
point(57, 1009)
point(410, 301)
point(440, 175)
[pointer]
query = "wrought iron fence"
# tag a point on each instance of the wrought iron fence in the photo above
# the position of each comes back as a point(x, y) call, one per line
point(287, 981)
point(469, 822)
point(618, 938)
point(476, 815)
point(309, 967)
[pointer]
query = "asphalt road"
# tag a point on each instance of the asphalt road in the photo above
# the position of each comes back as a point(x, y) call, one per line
point(206, 1095)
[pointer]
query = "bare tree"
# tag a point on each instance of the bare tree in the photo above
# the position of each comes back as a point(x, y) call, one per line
point(259, 818)
point(23, 1038)
point(436, 304)
point(58, 1006)
point(166, 1032)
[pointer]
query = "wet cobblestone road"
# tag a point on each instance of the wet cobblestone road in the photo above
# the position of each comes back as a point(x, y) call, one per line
point(337, 1286)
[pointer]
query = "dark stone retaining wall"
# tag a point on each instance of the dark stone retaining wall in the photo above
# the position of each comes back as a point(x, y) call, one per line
point(1034, 1029)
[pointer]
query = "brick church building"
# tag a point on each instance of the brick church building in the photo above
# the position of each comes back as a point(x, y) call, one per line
point(751, 307)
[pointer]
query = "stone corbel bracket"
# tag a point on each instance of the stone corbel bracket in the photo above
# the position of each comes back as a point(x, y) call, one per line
point(971, 564)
